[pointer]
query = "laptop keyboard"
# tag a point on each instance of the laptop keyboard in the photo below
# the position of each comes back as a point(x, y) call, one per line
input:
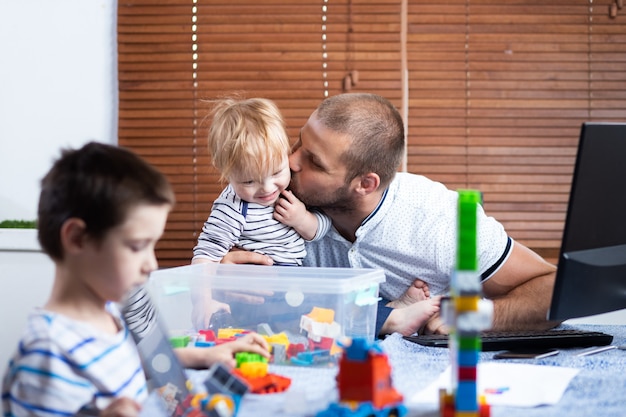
point(508, 340)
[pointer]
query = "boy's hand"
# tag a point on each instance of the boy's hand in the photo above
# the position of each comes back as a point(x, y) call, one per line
point(202, 358)
point(203, 304)
point(204, 307)
point(121, 407)
point(252, 342)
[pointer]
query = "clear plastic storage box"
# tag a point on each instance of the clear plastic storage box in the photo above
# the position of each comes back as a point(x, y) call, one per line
point(303, 312)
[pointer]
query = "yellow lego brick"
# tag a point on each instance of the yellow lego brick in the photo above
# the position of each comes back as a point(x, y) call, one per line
point(253, 369)
point(322, 315)
point(279, 339)
point(228, 333)
point(466, 303)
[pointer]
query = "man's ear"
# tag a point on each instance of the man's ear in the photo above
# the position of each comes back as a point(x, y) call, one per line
point(368, 183)
point(73, 233)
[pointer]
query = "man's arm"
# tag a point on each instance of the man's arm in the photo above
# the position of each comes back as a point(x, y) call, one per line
point(521, 291)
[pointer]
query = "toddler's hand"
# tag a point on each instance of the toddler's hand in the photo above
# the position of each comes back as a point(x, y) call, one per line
point(289, 210)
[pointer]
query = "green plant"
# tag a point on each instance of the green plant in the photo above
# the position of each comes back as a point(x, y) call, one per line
point(18, 224)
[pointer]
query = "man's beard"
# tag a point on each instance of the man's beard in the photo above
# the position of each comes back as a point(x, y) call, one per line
point(339, 201)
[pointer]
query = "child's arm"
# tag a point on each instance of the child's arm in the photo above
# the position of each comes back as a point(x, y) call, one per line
point(292, 212)
point(221, 230)
point(204, 306)
point(203, 357)
point(239, 256)
point(198, 260)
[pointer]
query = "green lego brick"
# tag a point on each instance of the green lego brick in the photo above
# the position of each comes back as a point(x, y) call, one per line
point(467, 243)
point(179, 341)
point(470, 343)
point(243, 357)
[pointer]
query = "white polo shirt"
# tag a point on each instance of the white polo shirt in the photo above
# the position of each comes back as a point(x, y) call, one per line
point(412, 234)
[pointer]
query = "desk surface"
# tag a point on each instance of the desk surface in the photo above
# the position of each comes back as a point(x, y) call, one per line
point(599, 389)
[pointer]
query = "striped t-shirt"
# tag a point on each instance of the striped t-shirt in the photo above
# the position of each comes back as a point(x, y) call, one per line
point(64, 367)
point(251, 226)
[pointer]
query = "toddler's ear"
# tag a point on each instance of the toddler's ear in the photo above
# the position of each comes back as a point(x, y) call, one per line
point(73, 235)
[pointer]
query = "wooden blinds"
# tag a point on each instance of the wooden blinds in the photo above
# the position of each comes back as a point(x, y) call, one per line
point(498, 91)
point(174, 55)
point(493, 92)
point(157, 106)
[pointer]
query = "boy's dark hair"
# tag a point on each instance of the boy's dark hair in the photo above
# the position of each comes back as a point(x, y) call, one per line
point(97, 183)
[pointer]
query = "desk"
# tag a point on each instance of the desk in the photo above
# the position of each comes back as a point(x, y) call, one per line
point(598, 390)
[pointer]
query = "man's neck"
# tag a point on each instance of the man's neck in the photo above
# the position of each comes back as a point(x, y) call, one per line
point(347, 222)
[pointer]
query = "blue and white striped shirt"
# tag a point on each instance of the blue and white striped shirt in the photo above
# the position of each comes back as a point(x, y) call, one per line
point(64, 367)
point(251, 226)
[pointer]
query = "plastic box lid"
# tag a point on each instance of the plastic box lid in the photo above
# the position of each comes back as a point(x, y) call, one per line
point(275, 278)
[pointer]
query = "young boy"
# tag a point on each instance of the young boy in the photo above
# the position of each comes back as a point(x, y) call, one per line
point(250, 147)
point(101, 211)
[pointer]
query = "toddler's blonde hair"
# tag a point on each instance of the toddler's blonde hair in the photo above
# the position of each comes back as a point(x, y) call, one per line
point(247, 137)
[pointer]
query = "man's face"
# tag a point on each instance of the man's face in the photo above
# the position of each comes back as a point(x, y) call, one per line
point(317, 172)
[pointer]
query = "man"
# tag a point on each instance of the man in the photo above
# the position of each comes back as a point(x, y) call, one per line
point(345, 163)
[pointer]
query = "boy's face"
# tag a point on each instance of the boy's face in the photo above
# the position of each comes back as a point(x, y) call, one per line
point(264, 192)
point(125, 257)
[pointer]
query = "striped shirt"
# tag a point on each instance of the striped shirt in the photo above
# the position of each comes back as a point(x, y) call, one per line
point(64, 367)
point(251, 226)
point(412, 234)
point(139, 312)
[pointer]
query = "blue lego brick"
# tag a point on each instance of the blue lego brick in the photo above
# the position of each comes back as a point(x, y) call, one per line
point(360, 348)
point(202, 343)
point(311, 358)
point(467, 357)
point(466, 398)
point(364, 409)
point(357, 351)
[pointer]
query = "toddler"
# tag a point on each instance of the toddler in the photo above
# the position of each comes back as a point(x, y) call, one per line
point(249, 146)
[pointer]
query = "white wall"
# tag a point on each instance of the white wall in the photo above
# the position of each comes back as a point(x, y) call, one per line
point(26, 275)
point(58, 88)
